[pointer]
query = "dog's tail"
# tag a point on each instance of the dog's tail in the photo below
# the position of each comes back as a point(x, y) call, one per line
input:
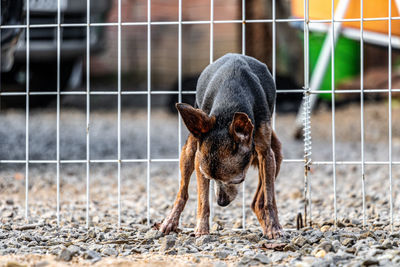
point(276, 146)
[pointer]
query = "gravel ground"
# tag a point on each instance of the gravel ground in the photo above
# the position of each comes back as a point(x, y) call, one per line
point(348, 244)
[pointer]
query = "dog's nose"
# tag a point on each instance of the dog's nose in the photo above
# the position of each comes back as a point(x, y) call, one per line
point(222, 201)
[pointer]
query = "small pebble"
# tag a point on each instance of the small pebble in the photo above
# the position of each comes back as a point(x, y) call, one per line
point(325, 228)
point(110, 252)
point(65, 255)
point(261, 258)
point(299, 241)
point(167, 242)
point(320, 254)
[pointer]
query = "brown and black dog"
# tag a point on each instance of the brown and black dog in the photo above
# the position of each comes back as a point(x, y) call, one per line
point(230, 129)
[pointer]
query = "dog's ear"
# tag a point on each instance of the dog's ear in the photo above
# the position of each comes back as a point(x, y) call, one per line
point(196, 120)
point(241, 128)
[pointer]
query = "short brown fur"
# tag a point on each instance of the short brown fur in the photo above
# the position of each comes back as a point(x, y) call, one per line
point(267, 157)
point(229, 131)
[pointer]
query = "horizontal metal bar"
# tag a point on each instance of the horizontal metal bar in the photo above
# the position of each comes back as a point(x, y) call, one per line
point(177, 160)
point(285, 91)
point(355, 162)
point(25, 161)
point(191, 22)
point(338, 91)
point(352, 20)
point(164, 23)
point(74, 25)
point(350, 91)
point(96, 93)
point(271, 20)
point(164, 160)
point(228, 21)
point(171, 92)
point(85, 161)
point(293, 161)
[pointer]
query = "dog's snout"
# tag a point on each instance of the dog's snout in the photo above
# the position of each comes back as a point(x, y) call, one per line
point(222, 198)
point(225, 193)
point(223, 202)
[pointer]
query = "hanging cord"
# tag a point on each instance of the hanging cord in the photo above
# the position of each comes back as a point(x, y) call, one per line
point(307, 153)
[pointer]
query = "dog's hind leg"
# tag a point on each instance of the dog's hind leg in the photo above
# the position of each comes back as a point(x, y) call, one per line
point(258, 203)
point(264, 203)
point(186, 165)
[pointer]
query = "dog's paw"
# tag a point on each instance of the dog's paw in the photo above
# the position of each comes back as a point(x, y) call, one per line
point(199, 233)
point(169, 225)
point(273, 231)
point(201, 230)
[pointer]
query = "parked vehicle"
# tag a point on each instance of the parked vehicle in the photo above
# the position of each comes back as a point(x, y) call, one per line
point(11, 14)
point(43, 44)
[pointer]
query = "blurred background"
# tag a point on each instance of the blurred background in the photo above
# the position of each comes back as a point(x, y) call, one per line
point(195, 47)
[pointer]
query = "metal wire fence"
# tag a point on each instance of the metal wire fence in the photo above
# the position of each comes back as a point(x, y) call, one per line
point(309, 90)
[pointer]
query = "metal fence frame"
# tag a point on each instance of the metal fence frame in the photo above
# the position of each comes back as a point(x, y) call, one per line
point(306, 90)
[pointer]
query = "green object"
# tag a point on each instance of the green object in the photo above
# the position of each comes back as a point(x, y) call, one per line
point(347, 60)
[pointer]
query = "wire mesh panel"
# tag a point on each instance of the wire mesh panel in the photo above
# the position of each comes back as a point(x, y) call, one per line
point(310, 92)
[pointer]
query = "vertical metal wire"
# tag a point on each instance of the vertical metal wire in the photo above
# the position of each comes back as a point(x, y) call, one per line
point(179, 86)
point(148, 105)
point(306, 118)
point(362, 107)
point(390, 114)
point(274, 54)
point(179, 76)
point(27, 113)
point(211, 195)
point(119, 113)
point(244, 53)
point(307, 155)
point(211, 31)
point(333, 109)
point(58, 108)
point(0, 58)
point(87, 112)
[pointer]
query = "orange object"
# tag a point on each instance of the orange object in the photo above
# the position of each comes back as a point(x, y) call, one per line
point(322, 9)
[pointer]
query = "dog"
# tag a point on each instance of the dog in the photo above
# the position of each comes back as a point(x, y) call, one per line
point(230, 129)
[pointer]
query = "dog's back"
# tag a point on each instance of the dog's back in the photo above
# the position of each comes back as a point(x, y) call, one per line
point(237, 83)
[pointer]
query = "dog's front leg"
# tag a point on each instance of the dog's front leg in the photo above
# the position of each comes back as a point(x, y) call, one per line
point(265, 202)
point(186, 165)
point(203, 205)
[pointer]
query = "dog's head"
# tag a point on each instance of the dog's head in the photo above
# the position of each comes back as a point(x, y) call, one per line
point(224, 152)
